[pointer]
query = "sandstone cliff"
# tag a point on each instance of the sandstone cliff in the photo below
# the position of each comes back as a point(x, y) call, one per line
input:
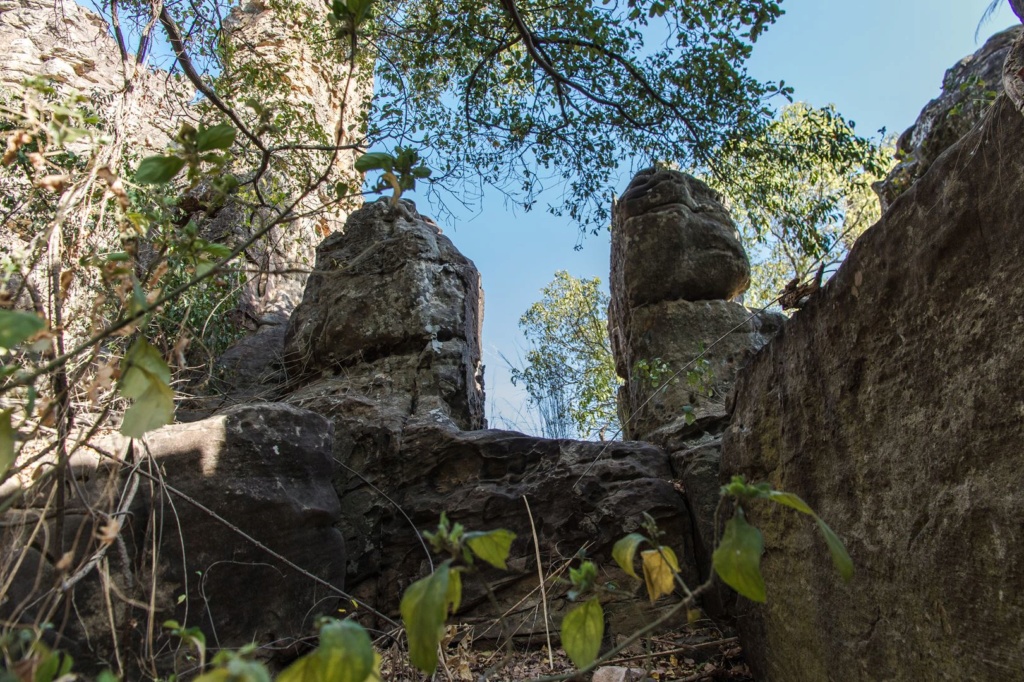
point(891, 404)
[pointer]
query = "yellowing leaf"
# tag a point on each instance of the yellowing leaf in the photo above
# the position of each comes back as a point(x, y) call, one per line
point(6, 443)
point(660, 566)
point(737, 561)
point(582, 630)
point(424, 609)
point(491, 546)
point(454, 589)
point(624, 552)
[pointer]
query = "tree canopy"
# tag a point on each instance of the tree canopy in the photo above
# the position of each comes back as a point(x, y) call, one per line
point(806, 202)
point(570, 374)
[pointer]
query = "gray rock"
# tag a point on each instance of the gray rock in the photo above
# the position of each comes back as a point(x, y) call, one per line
point(583, 496)
point(393, 311)
point(670, 336)
point(892, 404)
point(968, 89)
point(1013, 73)
point(673, 239)
point(266, 469)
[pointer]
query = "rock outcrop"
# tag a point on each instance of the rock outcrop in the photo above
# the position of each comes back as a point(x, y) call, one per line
point(678, 339)
point(583, 497)
point(71, 47)
point(192, 500)
point(892, 404)
point(393, 313)
point(968, 89)
point(386, 344)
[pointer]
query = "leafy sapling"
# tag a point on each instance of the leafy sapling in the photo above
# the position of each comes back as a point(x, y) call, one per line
point(583, 626)
point(737, 559)
point(401, 170)
point(427, 603)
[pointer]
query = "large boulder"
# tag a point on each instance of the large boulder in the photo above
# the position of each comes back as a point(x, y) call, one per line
point(673, 239)
point(192, 523)
point(968, 89)
point(393, 312)
point(892, 404)
point(679, 360)
point(266, 470)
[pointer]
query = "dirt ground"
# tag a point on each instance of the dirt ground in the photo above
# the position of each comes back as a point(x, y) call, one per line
point(698, 652)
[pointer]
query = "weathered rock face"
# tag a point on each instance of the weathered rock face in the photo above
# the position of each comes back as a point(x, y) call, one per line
point(968, 89)
point(672, 334)
point(393, 312)
point(272, 51)
point(399, 476)
point(72, 47)
point(386, 346)
point(264, 469)
point(892, 404)
point(673, 240)
point(1013, 72)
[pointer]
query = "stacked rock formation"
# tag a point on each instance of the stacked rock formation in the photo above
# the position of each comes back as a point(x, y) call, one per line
point(892, 404)
point(677, 335)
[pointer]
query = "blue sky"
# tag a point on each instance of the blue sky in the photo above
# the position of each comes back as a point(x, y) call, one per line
point(878, 61)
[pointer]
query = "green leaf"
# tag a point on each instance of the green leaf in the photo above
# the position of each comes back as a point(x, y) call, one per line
point(203, 266)
point(491, 546)
point(840, 558)
point(151, 410)
point(582, 630)
point(17, 326)
point(374, 161)
point(147, 379)
point(55, 664)
point(6, 443)
point(737, 560)
point(424, 610)
point(219, 251)
point(157, 170)
point(218, 137)
point(345, 654)
point(660, 567)
point(790, 500)
point(624, 552)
